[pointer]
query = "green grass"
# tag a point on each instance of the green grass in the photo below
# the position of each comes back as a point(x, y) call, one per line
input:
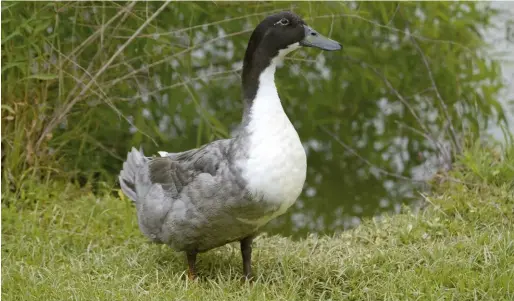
point(60, 243)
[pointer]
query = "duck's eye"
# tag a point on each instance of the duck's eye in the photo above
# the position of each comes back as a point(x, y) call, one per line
point(283, 22)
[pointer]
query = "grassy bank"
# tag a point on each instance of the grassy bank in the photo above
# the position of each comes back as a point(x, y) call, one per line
point(61, 243)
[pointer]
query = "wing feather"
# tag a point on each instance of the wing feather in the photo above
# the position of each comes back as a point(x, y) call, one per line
point(176, 171)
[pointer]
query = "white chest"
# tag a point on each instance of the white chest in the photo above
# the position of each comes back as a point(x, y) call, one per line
point(276, 166)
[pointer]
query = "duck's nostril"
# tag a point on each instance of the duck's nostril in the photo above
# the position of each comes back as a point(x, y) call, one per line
point(314, 34)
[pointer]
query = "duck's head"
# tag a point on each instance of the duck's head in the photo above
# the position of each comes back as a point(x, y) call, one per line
point(285, 31)
point(276, 36)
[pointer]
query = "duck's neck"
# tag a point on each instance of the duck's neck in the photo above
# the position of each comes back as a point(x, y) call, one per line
point(258, 78)
point(258, 71)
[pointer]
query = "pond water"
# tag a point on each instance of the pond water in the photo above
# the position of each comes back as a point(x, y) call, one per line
point(333, 201)
point(501, 41)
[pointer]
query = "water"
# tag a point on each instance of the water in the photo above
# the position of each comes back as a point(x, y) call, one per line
point(501, 41)
point(342, 200)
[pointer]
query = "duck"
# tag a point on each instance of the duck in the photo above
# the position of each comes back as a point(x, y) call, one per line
point(225, 191)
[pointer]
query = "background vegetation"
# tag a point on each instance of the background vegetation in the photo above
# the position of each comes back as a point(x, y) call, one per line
point(82, 82)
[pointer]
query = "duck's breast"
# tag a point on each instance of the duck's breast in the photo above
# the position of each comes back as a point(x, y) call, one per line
point(275, 169)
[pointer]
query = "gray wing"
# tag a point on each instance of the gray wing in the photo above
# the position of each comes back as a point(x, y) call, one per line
point(176, 171)
point(166, 186)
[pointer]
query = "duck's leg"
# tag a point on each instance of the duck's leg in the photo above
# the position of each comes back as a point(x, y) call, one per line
point(246, 252)
point(191, 263)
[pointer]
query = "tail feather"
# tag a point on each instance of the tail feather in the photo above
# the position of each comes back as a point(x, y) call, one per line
point(127, 178)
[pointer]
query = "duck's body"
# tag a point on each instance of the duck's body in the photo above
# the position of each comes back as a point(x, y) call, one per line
point(228, 189)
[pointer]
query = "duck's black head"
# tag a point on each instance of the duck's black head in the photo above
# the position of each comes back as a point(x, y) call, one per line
point(275, 36)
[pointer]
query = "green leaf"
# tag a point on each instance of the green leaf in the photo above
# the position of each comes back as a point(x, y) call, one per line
point(12, 35)
point(8, 108)
point(43, 76)
point(12, 65)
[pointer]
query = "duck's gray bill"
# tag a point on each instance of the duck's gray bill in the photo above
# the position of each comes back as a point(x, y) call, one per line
point(314, 39)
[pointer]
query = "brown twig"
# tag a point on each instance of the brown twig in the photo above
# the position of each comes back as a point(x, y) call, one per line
point(446, 155)
point(153, 35)
point(355, 153)
point(394, 29)
point(102, 95)
point(102, 28)
point(166, 59)
point(439, 97)
point(185, 82)
point(395, 92)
